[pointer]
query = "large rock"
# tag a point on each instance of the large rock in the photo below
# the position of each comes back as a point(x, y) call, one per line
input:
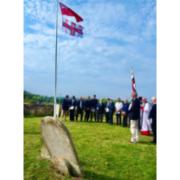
point(58, 147)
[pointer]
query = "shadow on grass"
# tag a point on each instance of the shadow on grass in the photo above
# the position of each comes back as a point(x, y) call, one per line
point(32, 133)
point(89, 175)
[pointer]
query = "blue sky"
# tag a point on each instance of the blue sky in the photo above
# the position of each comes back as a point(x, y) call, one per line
point(118, 35)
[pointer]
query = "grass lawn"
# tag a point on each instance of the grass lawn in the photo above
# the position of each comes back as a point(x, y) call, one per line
point(104, 152)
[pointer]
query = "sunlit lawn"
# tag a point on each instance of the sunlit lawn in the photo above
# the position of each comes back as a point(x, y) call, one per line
point(104, 152)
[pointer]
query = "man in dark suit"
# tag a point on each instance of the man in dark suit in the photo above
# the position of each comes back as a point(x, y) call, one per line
point(94, 102)
point(100, 111)
point(125, 113)
point(107, 110)
point(80, 108)
point(134, 110)
point(152, 115)
point(72, 108)
point(87, 107)
point(65, 107)
point(110, 108)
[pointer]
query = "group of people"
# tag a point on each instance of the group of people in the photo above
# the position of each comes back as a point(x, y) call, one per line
point(92, 109)
point(138, 114)
point(142, 116)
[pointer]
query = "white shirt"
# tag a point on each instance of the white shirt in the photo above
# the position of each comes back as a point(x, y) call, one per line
point(118, 106)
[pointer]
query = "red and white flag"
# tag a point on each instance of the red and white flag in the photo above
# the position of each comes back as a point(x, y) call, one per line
point(133, 83)
point(71, 27)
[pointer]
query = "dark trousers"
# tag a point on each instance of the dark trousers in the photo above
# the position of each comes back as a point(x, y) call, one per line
point(110, 118)
point(154, 132)
point(99, 116)
point(107, 117)
point(118, 119)
point(71, 114)
point(79, 111)
point(93, 114)
point(125, 117)
point(87, 114)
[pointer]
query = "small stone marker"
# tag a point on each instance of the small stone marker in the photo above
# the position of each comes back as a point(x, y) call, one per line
point(59, 148)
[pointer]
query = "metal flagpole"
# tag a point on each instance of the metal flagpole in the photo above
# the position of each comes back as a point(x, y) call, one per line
point(132, 72)
point(56, 46)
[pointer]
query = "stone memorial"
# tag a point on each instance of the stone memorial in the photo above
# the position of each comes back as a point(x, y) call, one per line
point(59, 148)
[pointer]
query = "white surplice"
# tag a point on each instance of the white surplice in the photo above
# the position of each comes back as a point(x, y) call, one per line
point(146, 125)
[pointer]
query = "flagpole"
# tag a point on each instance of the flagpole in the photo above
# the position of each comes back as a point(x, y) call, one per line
point(55, 75)
point(132, 72)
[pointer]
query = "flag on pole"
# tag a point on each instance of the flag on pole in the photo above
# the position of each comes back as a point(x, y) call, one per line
point(71, 27)
point(69, 12)
point(133, 83)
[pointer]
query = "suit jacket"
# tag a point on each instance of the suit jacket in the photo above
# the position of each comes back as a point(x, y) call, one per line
point(111, 107)
point(65, 104)
point(152, 115)
point(125, 108)
point(73, 103)
point(100, 107)
point(87, 104)
point(94, 103)
point(80, 104)
point(135, 109)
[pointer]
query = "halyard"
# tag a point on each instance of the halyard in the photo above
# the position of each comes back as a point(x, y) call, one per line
point(104, 152)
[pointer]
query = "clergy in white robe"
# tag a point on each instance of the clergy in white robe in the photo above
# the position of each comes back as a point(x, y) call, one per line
point(146, 126)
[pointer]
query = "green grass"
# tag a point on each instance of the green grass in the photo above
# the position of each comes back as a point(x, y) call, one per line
point(104, 152)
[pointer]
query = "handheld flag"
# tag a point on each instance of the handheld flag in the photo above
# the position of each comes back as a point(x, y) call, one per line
point(133, 83)
point(73, 28)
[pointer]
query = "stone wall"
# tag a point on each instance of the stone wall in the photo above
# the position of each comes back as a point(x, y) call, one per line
point(38, 110)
